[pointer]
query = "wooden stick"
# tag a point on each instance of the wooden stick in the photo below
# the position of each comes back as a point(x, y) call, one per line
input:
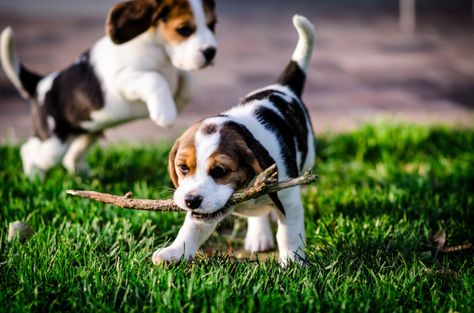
point(266, 182)
point(126, 201)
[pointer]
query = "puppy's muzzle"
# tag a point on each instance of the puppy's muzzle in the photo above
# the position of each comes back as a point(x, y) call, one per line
point(193, 202)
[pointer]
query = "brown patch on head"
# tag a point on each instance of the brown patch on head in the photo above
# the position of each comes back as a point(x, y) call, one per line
point(178, 23)
point(209, 129)
point(182, 154)
point(128, 19)
point(178, 17)
point(232, 171)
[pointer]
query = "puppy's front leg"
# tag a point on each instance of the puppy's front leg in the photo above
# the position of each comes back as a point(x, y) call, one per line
point(189, 239)
point(291, 233)
point(153, 89)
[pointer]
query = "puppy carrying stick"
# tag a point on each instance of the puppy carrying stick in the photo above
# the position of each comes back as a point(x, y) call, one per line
point(221, 154)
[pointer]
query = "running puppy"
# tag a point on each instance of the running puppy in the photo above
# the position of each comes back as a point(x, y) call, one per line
point(221, 154)
point(138, 70)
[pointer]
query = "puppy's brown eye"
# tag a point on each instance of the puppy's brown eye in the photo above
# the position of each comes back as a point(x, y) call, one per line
point(184, 31)
point(218, 172)
point(212, 26)
point(184, 169)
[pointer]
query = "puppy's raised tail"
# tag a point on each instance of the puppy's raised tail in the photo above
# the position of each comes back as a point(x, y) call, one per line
point(294, 75)
point(24, 80)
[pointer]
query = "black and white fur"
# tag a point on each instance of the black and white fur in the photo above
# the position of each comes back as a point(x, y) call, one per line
point(274, 120)
point(108, 85)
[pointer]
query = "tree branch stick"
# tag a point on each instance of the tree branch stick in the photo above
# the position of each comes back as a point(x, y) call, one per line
point(266, 182)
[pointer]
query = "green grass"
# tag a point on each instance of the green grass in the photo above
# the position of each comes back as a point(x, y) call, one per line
point(383, 191)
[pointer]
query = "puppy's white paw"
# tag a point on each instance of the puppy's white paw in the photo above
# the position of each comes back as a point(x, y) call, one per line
point(32, 172)
point(290, 257)
point(259, 241)
point(165, 117)
point(80, 167)
point(167, 255)
point(83, 170)
point(28, 152)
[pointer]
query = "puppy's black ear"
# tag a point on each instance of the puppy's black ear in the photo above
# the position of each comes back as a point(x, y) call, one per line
point(256, 156)
point(210, 3)
point(171, 167)
point(128, 19)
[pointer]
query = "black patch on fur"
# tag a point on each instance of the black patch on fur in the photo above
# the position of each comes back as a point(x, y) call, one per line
point(39, 121)
point(74, 94)
point(211, 4)
point(264, 94)
point(295, 114)
point(293, 77)
point(209, 129)
point(29, 80)
point(296, 118)
point(283, 132)
point(128, 19)
point(260, 153)
point(165, 11)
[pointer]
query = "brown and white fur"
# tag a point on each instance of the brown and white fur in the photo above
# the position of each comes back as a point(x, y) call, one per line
point(221, 154)
point(139, 69)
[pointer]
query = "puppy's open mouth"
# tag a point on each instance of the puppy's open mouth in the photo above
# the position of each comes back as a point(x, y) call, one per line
point(211, 217)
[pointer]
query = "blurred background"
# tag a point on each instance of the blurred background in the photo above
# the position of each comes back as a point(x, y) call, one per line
point(374, 60)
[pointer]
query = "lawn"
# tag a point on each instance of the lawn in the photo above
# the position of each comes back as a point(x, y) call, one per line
point(383, 193)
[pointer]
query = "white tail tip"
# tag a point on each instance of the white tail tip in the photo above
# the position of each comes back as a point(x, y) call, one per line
point(304, 47)
point(9, 59)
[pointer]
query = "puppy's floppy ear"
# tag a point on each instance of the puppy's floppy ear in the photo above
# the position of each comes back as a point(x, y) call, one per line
point(210, 3)
point(256, 156)
point(128, 19)
point(171, 167)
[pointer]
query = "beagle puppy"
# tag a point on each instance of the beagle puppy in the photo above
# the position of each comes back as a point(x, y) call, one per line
point(221, 154)
point(138, 70)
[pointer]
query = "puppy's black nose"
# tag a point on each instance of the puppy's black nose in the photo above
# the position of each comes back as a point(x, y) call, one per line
point(193, 201)
point(209, 54)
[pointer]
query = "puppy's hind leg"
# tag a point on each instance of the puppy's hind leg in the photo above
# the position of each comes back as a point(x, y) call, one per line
point(75, 159)
point(259, 234)
point(28, 153)
point(39, 156)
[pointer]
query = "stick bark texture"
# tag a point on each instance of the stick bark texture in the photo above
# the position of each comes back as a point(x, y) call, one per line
point(266, 182)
